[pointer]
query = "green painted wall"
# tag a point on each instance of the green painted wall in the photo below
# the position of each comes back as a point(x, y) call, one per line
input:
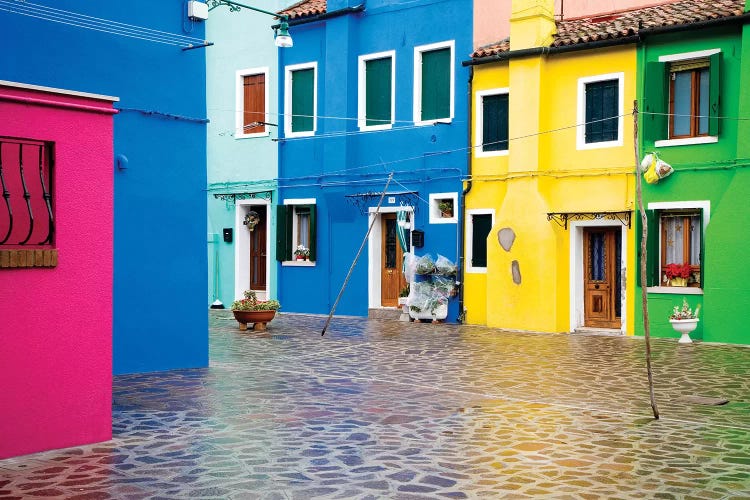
point(717, 173)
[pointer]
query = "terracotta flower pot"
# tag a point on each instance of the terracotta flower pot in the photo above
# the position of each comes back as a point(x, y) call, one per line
point(258, 318)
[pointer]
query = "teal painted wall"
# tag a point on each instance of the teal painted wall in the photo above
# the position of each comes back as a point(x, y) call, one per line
point(715, 172)
point(242, 40)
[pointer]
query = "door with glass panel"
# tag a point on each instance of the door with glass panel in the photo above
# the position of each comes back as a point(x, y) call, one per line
point(391, 278)
point(602, 277)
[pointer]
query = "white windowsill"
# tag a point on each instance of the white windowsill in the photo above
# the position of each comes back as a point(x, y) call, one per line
point(688, 141)
point(441, 121)
point(476, 270)
point(251, 136)
point(298, 263)
point(598, 145)
point(478, 153)
point(675, 290)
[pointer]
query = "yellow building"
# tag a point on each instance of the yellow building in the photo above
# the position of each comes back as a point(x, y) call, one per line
point(549, 240)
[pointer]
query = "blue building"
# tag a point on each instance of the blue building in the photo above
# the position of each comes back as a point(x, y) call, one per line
point(366, 92)
point(135, 51)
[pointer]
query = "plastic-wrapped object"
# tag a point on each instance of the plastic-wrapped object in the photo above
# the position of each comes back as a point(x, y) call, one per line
point(424, 265)
point(427, 301)
point(410, 264)
point(445, 267)
point(444, 285)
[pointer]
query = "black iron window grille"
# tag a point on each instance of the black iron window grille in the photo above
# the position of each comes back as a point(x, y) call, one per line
point(26, 210)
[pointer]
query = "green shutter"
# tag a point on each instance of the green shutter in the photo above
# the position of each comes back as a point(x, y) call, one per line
point(653, 258)
point(703, 249)
point(283, 232)
point(378, 91)
point(481, 224)
point(655, 101)
point(495, 122)
point(313, 232)
point(714, 89)
point(436, 84)
point(303, 100)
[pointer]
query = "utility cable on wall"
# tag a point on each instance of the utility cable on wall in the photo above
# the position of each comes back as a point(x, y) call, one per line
point(92, 23)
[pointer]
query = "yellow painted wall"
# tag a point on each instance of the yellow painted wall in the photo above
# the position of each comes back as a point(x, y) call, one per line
point(544, 172)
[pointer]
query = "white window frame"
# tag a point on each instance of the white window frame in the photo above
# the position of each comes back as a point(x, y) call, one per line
point(362, 90)
point(240, 102)
point(417, 104)
point(294, 202)
point(705, 207)
point(470, 237)
point(435, 217)
point(288, 99)
point(581, 111)
point(687, 141)
point(479, 96)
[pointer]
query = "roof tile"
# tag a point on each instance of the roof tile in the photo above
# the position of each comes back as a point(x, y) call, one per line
point(305, 8)
point(628, 23)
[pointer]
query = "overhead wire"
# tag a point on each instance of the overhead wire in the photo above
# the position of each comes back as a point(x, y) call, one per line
point(96, 23)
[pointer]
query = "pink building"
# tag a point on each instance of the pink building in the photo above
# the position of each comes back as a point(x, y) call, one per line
point(492, 17)
point(56, 166)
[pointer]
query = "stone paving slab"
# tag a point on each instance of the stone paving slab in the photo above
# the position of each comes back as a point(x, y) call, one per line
point(379, 409)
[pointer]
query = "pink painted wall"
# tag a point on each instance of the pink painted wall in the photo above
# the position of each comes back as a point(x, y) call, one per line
point(56, 323)
point(492, 17)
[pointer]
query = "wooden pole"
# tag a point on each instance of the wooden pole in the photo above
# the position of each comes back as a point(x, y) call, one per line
point(644, 236)
point(356, 257)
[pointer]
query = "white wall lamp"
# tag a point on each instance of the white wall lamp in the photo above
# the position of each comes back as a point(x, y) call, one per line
point(281, 31)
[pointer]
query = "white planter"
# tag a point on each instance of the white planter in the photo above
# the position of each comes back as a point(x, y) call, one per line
point(684, 326)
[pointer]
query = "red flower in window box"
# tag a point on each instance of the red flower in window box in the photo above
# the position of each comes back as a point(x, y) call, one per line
point(677, 271)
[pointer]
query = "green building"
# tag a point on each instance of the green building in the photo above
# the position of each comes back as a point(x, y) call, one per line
point(696, 117)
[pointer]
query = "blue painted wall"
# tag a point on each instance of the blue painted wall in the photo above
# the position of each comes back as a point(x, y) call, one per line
point(160, 202)
point(427, 159)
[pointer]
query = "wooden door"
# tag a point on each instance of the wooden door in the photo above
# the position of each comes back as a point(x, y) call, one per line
point(258, 251)
point(391, 276)
point(602, 277)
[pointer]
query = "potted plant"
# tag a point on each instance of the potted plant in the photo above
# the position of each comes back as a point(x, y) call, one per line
point(403, 299)
point(302, 252)
point(446, 208)
point(252, 310)
point(684, 320)
point(677, 274)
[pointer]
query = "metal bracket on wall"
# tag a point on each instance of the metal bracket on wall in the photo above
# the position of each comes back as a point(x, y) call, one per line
point(562, 218)
point(233, 197)
point(363, 201)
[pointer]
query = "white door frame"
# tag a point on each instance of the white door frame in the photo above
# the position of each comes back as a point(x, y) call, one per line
point(577, 309)
point(374, 245)
point(242, 247)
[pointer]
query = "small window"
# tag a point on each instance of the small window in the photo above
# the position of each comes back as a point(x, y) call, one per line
point(480, 226)
point(681, 98)
point(681, 243)
point(600, 110)
point(433, 82)
point(443, 208)
point(376, 90)
point(492, 122)
point(296, 231)
point(688, 99)
point(27, 214)
point(252, 102)
point(301, 99)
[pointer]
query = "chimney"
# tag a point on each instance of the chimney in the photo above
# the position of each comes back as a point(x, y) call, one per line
point(532, 23)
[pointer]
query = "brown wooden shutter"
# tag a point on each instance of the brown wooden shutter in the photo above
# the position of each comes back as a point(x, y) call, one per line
point(254, 99)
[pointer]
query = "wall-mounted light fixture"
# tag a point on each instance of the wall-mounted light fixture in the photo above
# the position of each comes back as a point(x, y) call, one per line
point(281, 32)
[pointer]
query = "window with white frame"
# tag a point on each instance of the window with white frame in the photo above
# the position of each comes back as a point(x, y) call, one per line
point(252, 102)
point(296, 228)
point(600, 110)
point(300, 99)
point(377, 86)
point(433, 82)
point(676, 242)
point(443, 208)
point(491, 134)
point(478, 226)
point(682, 98)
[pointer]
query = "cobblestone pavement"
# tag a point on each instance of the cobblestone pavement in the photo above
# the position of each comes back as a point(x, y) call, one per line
point(381, 409)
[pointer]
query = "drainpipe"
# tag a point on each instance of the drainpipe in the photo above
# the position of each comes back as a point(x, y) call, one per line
point(462, 221)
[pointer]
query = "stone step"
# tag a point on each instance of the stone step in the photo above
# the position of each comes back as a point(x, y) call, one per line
point(390, 313)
